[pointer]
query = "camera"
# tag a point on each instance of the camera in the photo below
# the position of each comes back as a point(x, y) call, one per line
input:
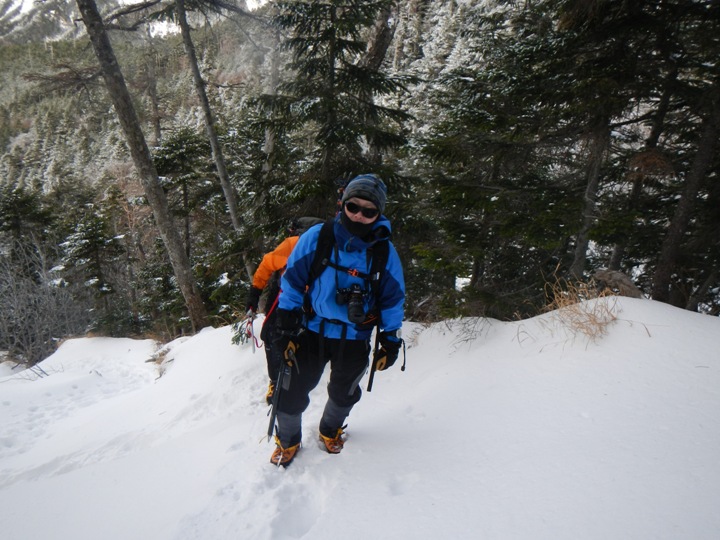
point(353, 297)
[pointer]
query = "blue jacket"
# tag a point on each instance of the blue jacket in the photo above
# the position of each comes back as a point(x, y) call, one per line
point(351, 254)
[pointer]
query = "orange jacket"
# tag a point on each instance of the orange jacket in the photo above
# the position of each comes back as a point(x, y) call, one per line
point(273, 261)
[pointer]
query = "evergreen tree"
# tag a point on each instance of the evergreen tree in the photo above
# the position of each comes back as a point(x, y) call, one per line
point(504, 218)
point(551, 116)
point(182, 162)
point(161, 305)
point(38, 305)
point(553, 137)
point(333, 96)
point(90, 253)
point(693, 128)
point(23, 213)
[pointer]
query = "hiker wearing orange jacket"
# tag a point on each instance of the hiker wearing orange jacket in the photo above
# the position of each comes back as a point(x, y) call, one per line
point(269, 272)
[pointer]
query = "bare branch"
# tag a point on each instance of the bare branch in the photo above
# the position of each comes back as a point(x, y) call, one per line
point(67, 78)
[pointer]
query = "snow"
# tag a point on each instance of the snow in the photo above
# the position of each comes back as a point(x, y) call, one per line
point(496, 430)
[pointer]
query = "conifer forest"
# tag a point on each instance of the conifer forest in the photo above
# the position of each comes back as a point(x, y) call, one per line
point(152, 152)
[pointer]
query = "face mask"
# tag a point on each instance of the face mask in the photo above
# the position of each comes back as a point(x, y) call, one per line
point(355, 228)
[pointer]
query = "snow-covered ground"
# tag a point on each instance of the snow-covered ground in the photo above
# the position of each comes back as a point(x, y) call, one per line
point(522, 430)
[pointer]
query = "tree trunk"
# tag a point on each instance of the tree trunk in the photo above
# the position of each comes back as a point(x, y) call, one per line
point(150, 65)
point(217, 153)
point(186, 219)
point(377, 47)
point(380, 38)
point(326, 170)
point(409, 21)
point(697, 295)
point(679, 224)
point(415, 18)
point(142, 159)
point(600, 138)
point(399, 51)
point(269, 146)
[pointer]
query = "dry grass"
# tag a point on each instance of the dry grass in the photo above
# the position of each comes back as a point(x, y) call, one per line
point(581, 308)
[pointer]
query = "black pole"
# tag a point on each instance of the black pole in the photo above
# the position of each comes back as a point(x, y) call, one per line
point(373, 366)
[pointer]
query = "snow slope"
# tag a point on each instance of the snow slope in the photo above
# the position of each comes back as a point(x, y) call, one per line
point(519, 430)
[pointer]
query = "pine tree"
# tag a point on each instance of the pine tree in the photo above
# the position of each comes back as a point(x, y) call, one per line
point(38, 306)
point(90, 251)
point(334, 97)
point(538, 141)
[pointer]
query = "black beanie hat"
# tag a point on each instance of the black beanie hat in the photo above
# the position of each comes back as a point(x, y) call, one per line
point(368, 187)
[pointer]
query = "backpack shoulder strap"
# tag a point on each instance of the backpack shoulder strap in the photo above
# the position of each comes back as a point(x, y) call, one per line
point(380, 254)
point(323, 250)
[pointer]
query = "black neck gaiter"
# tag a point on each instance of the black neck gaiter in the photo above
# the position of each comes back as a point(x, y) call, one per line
point(355, 228)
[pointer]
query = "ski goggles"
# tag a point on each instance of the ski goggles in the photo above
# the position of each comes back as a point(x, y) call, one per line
point(353, 208)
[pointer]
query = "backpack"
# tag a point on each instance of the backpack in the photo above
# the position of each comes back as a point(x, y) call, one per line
point(378, 256)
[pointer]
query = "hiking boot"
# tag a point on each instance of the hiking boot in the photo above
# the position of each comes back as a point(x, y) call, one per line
point(333, 445)
point(284, 456)
point(270, 392)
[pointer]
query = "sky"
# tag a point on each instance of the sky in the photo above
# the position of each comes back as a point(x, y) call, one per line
point(527, 430)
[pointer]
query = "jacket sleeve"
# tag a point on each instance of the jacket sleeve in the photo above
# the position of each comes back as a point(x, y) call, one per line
point(273, 261)
point(392, 293)
point(295, 278)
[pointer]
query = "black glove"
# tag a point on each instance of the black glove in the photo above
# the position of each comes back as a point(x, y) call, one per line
point(386, 355)
point(289, 324)
point(253, 299)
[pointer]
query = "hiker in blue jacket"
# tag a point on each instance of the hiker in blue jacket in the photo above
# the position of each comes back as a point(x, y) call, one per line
point(333, 321)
